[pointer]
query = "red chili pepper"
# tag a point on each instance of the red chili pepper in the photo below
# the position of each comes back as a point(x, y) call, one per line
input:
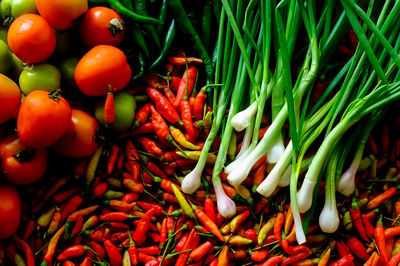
point(395, 260)
point(251, 234)
point(68, 263)
point(163, 231)
point(272, 261)
point(209, 209)
point(113, 253)
point(48, 257)
point(148, 206)
point(115, 217)
point(168, 197)
point(208, 223)
point(145, 128)
point(139, 236)
point(29, 228)
point(296, 257)
point(163, 106)
point(112, 159)
point(86, 262)
point(130, 197)
point(201, 251)
point(198, 105)
point(133, 255)
point(175, 82)
point(100, 189)
point(82, 212)
point(71, 206)
point(181, 242)
point(150, 146)
point(153, 168)
point(144, 258)
point(72, 252)
point(78, 226)
point(21, 244)
point(392, 232)
point(293, 250)
point(96, 247)
point(151, 250)
point(117, 225)
point(378, 200)
point(152, 80)
point(369, 227)
point(109, 108)
point(356, 219)
point(142, 114)
point(133, 186)
point(186, 85)
point(120, 205)
point(186, 116)
point(344, 261)
point(169, 94)
point(280, 219)
point(259, 255)
point(357, 248)
point(379, 236)
point(259, 174)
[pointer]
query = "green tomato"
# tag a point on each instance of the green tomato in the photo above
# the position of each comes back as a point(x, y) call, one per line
point(11, 9)
point(3, 34)
point(40, 77)
point(125, 106)
point(67, 68)
point(5, 58)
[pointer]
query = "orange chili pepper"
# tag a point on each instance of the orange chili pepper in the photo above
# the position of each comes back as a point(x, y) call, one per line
point(109, 108)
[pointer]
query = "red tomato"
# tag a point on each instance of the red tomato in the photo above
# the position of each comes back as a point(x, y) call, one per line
point(78, 140)
point(61, 13)
point(31, 38)
point(101, 67)
point(43, 118)
point(10, 98)
point(22, 165)
point(10, 209)
point(101, 25)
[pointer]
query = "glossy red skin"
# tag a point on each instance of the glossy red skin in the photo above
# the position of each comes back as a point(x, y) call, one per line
point(61, 13)
point(10, 98)
point(78, 141)
point(42, 120)
point(10, 209)
point(93, 29)
point(101, 67)
point(31, 38)
point(21, 173)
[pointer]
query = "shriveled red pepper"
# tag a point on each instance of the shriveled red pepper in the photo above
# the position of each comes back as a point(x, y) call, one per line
point(395, 260)
point(150, 146)
point(142, 115)
point(29, 228)
point(186, 116)
point(163, 106)
point(208, 223)
point(369, 227)
point(96, 247)
point(209, 209)
point(148, 206)
point(60, 197)
point(71, 206)
point(392, 232)
point(259, 255)
point(198, 105)
point(133, 186)
point(113, 253)
point(280, 219)
point(292, 250)
point(379, 236)
point(139, 236)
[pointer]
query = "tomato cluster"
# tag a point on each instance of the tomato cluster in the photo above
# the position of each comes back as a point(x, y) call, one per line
point(37, 76)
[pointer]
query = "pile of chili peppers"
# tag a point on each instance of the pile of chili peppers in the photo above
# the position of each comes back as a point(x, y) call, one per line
point(124, 206)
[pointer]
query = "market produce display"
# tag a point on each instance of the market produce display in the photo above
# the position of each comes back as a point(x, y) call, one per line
point(217, 132)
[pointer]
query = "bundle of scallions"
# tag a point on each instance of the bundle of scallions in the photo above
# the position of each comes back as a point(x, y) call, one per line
point(268, 58)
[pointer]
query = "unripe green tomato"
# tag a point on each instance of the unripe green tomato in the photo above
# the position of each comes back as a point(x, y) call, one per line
point(5, 58)
point(40, 77)
point(125, 106)
point(67, 69)
point(15, 8)
point(3, 34)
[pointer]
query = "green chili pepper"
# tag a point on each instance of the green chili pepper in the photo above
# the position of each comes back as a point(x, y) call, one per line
point(169, 38)
point(141, 9)
point(125, 12)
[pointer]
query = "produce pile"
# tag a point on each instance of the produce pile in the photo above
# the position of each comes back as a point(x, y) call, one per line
point(228, 132)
